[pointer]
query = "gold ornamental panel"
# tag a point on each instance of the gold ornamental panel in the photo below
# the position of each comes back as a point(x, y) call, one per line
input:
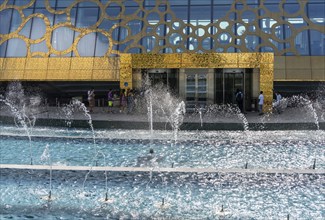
point(12, 75)
point(173, 60)
point(59, 63)
point(80, 75)
point(14, 64)
point(1, 63)
point(125, 71)
point(35, 75)
point(82, 63)
point(36, 64)
point(57, 75)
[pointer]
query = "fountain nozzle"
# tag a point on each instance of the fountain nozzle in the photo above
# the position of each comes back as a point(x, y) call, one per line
point(50, 195)
point(31, 161)
point(221, 208)
point(314, 165)
point(173, 165)
point(288, 217)
point(106, 197)
point(246, 165)
point(162, 201)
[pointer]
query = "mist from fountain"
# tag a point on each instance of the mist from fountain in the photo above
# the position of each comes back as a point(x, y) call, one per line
point(305, 102)
point(46, 158)
point(23, 107)
point(71, 109)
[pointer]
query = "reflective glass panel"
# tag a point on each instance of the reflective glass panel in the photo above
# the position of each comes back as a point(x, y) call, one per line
point(316, 13)
point(5, 17)
point(16, 48)
point(317, 43)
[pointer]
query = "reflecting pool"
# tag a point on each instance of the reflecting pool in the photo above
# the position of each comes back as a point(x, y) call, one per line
point(53, 193)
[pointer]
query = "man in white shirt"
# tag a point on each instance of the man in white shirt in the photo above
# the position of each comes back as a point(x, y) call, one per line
point(260, 103)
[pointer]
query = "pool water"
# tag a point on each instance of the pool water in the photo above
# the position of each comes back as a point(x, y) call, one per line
point(264, 150)
point(140, 195)
point(162, 195)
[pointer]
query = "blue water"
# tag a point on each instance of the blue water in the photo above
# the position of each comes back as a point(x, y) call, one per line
point(133, 195)
point(215, 152)
point(139, 196)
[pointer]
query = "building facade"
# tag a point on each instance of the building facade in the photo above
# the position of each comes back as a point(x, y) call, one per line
point(204, 50)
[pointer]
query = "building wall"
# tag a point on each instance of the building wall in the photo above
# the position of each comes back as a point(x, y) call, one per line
point(91, 28)
point(36, 35)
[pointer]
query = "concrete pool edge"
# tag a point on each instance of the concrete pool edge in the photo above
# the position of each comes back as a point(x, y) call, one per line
point(164, 169)
point(143, 125)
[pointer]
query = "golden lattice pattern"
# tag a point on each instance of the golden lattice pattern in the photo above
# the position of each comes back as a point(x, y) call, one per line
point(152, 31)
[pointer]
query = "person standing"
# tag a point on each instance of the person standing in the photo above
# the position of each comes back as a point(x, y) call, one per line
point(91, 99)
point(123, 101)
point(240, 100)
point(260, 103)
point(130, 101)
point(110, 101)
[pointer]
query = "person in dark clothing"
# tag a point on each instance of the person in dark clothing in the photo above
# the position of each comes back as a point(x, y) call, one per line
point(240, 99)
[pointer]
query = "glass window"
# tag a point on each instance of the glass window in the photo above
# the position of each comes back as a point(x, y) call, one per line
point(113, 11)
point(220, 12)
point(16, 48)
point(149, 43)
point(38, 28)
point(21, 2)
point(15, 21)
point(87, 17)
point(135, 26)
point(317, 43)
point(27, 27)
point(45, 12)
point(291, 8)
point(5, 17)
point(316, 13)
point(3, 48)
point(86, 45)
point(301, 43)
point(62, 38)
point(200, 15)
point(200, 2)
point(178, 2)
point(102, 44)
point(267, 25)
point(223, 2)
point(40, 47)
point(64, 3)
point(41, 3)
point(180, 12)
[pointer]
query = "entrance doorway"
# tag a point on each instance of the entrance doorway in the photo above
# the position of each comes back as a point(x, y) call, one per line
point(227, 83)
point(196, 90)
point(167, 77)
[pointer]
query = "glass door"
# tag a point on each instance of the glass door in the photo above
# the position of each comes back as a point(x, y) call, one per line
point(232, 82)
point(196, 91)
